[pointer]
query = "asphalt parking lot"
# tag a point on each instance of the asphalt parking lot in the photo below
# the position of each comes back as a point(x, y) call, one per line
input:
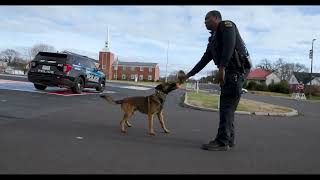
point(50, 133)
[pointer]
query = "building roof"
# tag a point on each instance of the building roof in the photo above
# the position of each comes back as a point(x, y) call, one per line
point(304, 77)
point(122, 63)
point(258, 74)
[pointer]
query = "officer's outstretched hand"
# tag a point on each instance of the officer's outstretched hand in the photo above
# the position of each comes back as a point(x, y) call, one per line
point(182, 77)
point(221, 75)
point(178, 85)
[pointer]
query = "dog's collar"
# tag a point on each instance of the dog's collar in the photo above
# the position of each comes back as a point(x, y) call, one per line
point(162, 94)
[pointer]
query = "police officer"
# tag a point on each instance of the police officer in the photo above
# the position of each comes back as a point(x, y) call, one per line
point(226, 48)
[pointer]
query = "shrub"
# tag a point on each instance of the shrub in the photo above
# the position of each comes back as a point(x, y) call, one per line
point(282, 87)
point(251, 85)
point(261, 87)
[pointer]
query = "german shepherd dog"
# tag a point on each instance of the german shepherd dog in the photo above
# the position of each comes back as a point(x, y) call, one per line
point(150, 105)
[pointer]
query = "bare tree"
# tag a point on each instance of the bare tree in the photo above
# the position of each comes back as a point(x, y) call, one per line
point(284, 70)
point(300, 68)
point(280, 66)
point(266, 64)
point(40, 47)
point(19, 64)
point(9, 55)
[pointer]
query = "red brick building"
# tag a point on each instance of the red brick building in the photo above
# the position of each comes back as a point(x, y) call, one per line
point(119, 70)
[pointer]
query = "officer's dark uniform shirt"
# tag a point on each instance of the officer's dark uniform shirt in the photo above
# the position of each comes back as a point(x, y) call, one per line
point(220, 48)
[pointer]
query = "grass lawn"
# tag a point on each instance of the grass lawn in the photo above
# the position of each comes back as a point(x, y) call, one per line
point(314, 98)
point(266, 93)
point(203, 99)
point(211, 101)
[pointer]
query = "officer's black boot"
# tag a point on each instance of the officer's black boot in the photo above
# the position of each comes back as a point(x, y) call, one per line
point(215, 146)
point(231, 141)
point(231, 145)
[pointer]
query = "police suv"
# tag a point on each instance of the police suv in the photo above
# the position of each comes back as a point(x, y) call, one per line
point(65, 69)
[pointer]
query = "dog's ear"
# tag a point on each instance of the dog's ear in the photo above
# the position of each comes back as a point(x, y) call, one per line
point(159, 87)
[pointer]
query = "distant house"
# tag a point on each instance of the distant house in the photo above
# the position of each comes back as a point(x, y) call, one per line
point(11, 70)
point(129, 70)
point(304, 78)
point(121, 70)
point(263, 77)
point(3, 66)
point(316, 81)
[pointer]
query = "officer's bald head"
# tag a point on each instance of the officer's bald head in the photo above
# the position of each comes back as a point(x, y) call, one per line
point(214, 13)
point(212, 20)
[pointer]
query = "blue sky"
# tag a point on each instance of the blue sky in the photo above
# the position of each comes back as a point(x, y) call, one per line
point(142, 32)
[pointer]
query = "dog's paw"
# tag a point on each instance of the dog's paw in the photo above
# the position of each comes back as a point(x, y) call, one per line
point(167, 131)
point(124, 131)
point(152, 133)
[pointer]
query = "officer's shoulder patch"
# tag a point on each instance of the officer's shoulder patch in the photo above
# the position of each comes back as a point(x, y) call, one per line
point(228, 24)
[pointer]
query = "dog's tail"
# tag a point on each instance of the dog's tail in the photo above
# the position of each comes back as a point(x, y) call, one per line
point(110, 100)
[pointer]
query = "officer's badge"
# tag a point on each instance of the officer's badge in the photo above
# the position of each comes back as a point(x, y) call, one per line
point(228, 24)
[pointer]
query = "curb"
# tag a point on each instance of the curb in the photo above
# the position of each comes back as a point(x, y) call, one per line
point(288, 114)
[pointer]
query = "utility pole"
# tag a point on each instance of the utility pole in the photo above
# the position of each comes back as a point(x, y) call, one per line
point(311, 57)
point(167, 63)
point(117, 68)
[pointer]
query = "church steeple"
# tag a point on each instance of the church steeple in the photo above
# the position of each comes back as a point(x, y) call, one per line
point(107, 43)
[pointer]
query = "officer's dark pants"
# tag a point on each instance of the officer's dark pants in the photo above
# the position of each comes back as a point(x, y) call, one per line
point(229, 100)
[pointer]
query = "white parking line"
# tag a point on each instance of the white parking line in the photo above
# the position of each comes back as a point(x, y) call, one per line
point(28, 87)
point(13, 75)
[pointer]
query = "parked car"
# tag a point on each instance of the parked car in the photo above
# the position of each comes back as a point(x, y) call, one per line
point(66, 69)
point(243, 91)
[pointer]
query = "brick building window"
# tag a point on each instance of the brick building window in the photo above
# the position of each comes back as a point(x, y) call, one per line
point(124, 76)
point(115, 76)
point(149, 77)
point(132, 69)
point(150, 69)
point(141, 77)
point(115, 68)
point(141, 68)
point(132, 76)
point(123, 68)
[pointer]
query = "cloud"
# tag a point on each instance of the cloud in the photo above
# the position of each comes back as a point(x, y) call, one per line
point(142, 32)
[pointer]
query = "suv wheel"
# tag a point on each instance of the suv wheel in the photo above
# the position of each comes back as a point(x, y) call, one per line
point(78, 86)
point(40, 87)
point(101, 86)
